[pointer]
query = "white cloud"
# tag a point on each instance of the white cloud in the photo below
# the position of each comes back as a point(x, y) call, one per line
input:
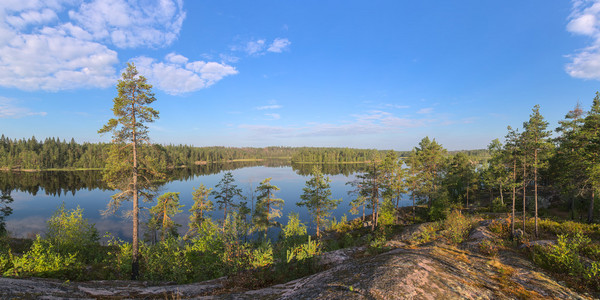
point(133, 23)
point(64, 44)
point(9, 109)
point(585, 20)
point(273, 106)
point(176, 75)
point(259, 47)
point(274, 116)
point(279, 45)
point(255, 47)
point(52, 60)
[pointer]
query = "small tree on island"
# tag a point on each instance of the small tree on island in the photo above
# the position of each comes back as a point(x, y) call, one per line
point(122, 171)
point(317, 198)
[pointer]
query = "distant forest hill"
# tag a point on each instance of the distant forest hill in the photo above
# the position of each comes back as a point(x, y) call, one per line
point(54, 153)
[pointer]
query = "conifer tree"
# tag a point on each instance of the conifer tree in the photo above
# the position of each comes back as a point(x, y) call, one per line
point(428, 164)
point(132, 111)
point(167, 206)
point(511, 154)
point(267, 206)
point(591, 154)
point(317, 198)
point(225, 192)
point(202, 205)
point(535, 135)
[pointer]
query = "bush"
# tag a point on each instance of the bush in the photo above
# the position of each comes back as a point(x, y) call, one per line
point(43, 260)
point(456, 227)
point(387, 216)
point(262, 256)
point(70, 233)
point(564, 257)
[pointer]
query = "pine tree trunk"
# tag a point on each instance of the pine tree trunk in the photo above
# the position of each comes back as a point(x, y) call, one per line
point(514, 192)
point(135, 243)
point(524, 189)
point(591, 208)
point(535, 184)
point(501, 195)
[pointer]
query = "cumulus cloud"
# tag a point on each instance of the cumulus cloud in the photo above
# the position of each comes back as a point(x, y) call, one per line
point(64, 44)
point(10, 110)
point(131, 23)
point(279, 45)
point(585, 20)
point(177, 75)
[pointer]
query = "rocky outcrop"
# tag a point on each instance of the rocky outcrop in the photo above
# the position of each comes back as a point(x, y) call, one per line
point(431, 271)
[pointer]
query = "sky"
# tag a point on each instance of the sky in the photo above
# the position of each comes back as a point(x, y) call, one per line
point(361, 74)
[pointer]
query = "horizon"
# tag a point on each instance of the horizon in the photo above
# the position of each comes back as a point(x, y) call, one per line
point(363, 75)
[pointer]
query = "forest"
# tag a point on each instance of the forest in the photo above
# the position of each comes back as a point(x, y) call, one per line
point(527, 187)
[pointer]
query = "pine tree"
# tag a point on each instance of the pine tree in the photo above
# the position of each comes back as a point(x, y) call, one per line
point(167, 206)
point(202, 205)
point(129, 133)
point(511, 154)
point(317, 198)
point(591, 154)
point(225, 192)
point(428, 164)
point(536, 140)
point(267, 206)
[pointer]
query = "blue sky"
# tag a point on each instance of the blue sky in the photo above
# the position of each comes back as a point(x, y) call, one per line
point(366, 74)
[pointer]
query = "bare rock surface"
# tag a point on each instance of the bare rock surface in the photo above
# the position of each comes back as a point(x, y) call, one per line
point(431, 271)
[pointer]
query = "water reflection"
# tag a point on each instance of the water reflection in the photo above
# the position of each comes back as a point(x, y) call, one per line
point(58, 183)
point(37, 194)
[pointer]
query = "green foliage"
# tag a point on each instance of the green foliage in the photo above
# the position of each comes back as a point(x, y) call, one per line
point(488, 247)
point(428, 234)
point(303, 251)
point(225, 192)
point(69, 233)
point(267, 206)
point(317, 198)
point(563, 257)
point(456, 227)
point(201, 207)
point(166, 207)
point(43, 260)
point(262, 256)
point(294, 228)
point(440, 206)
point(387, 214)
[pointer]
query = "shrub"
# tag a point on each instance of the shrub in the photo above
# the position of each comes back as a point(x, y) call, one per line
point(564, 257)
point(70, 233)
point(43, 260)
point(488, 247)
point(262, 256)
point(387, 215)
point(456, 227)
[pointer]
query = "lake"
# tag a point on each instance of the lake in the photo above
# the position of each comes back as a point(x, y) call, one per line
point(38, 194)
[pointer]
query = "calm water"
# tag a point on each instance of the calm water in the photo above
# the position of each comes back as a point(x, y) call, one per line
point(37, 195)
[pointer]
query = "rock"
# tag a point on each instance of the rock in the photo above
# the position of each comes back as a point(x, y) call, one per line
point(338, 256)
point(537, 243)
point(411, 231)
